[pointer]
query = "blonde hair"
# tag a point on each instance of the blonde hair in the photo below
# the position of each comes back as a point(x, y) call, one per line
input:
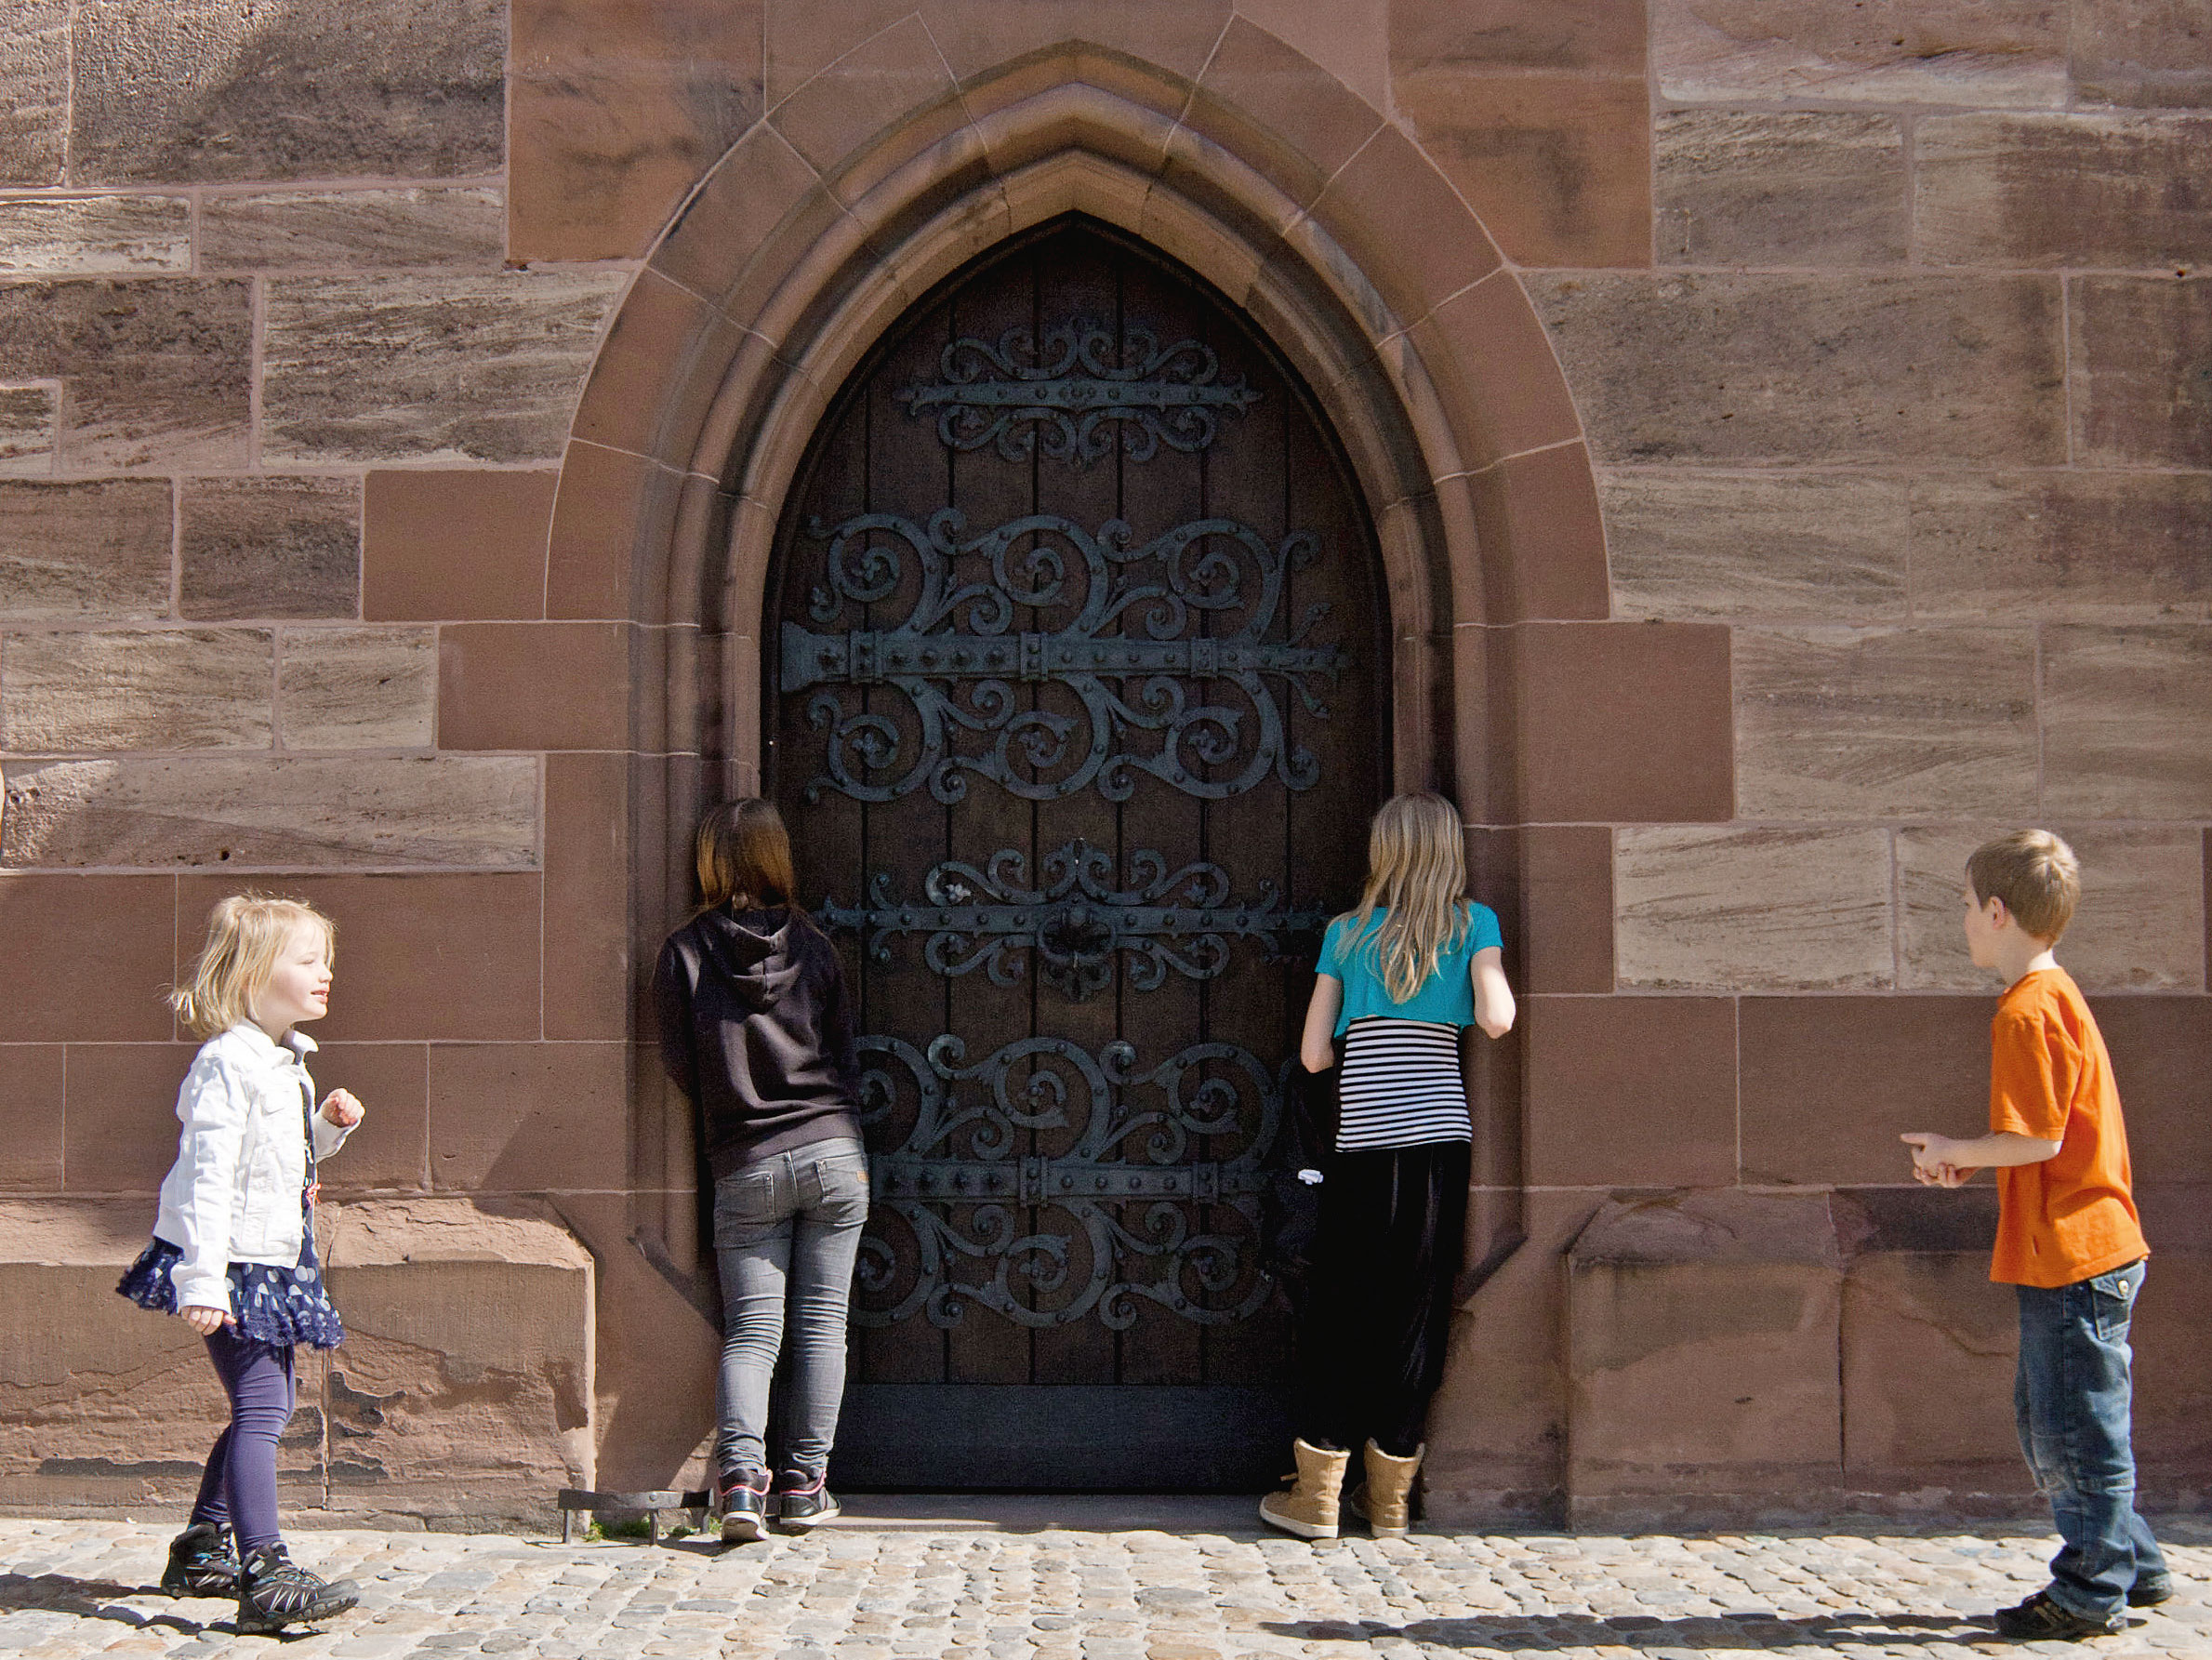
point(2035, 875)
point(246, 933)
point(1417, 869)
point(743, 856)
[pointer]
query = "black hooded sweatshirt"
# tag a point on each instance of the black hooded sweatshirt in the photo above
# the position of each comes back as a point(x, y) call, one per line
point(756, 1028)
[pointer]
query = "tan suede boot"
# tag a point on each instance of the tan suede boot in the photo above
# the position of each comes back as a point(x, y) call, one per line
point(1385, 1498)
point(1309, 1507)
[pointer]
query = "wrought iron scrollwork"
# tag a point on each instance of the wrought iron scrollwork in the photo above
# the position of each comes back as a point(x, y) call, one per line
point(1067, 400)
point(961, 635)
point(1121, 1192)
point(1077, 921)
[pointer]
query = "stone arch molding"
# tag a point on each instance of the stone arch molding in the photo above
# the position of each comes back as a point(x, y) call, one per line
point(1266, 174)
point(817, 230)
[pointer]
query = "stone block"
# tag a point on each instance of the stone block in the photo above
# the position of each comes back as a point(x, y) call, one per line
point(1927, 1358)
point(454, 547)
point(1753, 909)
point(1994, 53)
point(528, 1118)
point(1753, 547)
point(135, 689)
point(1884, 723)
point(1717, 369)
point(273, 812)
point(1538, 522)
point(120, 1128)
point(497, 690)
point(434, 956)
point(372, 688)
point(428, 368)
point(2173, 1394)
point(2140, 925)
point(35, 93)
point(1350, 41)
point(2127, 722)
point(1631, 1092)
point(426, 225)
point(2141, 395)
point(1272, 104)
point(2143, 53)
point(2052, 189)
point(95, 549)
point(30, 428)
point(1702, 1337)
point(1565, 935)
point(88, 235)
point(2162, 1052)
point(271, 547)
point(588, 948)
point(1779, 188)
point(1900, 1063)
point(1571, 36)
point(2061, 547)
point(156, 371)
point(107, 988)
point(31, 1106)
point(389, 88)
point(618, 108)
point(114, 1406)
point(1623, 723)
point(390, 1150)
point(885, 80)
point(1557, 166)
point(463, 1397)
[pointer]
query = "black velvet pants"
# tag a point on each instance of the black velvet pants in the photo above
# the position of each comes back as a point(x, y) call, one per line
point(1370, 1347)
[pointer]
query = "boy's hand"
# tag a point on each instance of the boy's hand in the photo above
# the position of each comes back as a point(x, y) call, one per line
point(1934, 1160)
point(341, 1109)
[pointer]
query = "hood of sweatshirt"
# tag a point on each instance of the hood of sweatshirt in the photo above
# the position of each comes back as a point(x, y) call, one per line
point(752, 952)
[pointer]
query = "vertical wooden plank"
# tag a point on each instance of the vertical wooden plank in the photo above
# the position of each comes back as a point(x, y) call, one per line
point(1158, 495)
point(1247, 835)
point(988, 489)
point(1075, 287)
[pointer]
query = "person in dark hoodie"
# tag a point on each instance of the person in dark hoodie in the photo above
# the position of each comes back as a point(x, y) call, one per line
point(756, 1027)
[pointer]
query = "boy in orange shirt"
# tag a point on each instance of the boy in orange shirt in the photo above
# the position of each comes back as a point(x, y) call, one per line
point(2068, 1238)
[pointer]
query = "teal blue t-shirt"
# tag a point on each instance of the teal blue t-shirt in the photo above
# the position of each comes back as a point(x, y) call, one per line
point(1447, 997)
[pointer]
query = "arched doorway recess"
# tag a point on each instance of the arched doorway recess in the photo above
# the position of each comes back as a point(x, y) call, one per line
point(1079, 687)
point(1364, 269)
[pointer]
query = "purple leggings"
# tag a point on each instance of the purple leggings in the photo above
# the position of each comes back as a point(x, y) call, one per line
point(240, 1485)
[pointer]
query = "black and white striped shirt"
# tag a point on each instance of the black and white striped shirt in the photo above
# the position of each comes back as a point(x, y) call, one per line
point(1400, 1085)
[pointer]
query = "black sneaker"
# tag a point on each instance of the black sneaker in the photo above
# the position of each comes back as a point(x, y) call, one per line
point(2041, 1620)
point(803, 1503)
point(202, 1564)
point(741, 1496)
point(273, 1592)
point(2150, 1593)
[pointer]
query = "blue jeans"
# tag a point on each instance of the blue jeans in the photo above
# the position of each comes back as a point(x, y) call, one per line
point(787, 1236)
point(2073, 1398)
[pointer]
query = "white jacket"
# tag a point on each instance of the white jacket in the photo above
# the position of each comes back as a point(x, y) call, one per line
point(233, 1193)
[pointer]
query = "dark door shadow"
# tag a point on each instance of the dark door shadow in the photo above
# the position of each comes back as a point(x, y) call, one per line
point(97, 1599)
point(1697, 1631)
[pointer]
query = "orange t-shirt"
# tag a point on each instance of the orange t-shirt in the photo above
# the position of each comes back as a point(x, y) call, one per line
point(2071, 1216)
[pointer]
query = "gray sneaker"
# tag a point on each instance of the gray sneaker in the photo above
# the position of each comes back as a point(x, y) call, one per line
point(803, 1503)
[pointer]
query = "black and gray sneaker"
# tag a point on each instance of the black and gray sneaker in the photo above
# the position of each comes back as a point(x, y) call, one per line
point(202, 1564)
point(741, 1498)
point(803, 1503)
point(2150, 1593)
point(274, 1592)
point(2041, 1620)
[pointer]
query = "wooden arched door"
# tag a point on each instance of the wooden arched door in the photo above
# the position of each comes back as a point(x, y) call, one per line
point(1078, 688)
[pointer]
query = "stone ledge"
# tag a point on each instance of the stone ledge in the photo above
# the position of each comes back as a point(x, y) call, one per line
point(461, 1399)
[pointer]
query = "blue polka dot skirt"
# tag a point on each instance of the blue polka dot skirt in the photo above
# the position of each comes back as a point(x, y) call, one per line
point(272, 1305)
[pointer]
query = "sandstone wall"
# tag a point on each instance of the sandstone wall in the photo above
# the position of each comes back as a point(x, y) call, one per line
point(1887, 343)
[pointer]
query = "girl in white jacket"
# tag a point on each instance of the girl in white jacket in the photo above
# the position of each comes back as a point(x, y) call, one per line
point(233, 1249)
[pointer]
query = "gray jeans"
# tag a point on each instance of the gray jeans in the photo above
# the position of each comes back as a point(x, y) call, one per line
point(786, 1234)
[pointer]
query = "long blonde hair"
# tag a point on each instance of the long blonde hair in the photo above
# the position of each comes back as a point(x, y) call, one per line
point(1417, 869)
point(246, 933)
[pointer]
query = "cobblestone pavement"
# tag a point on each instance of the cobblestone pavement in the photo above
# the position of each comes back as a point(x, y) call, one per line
point(1206, 1587)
